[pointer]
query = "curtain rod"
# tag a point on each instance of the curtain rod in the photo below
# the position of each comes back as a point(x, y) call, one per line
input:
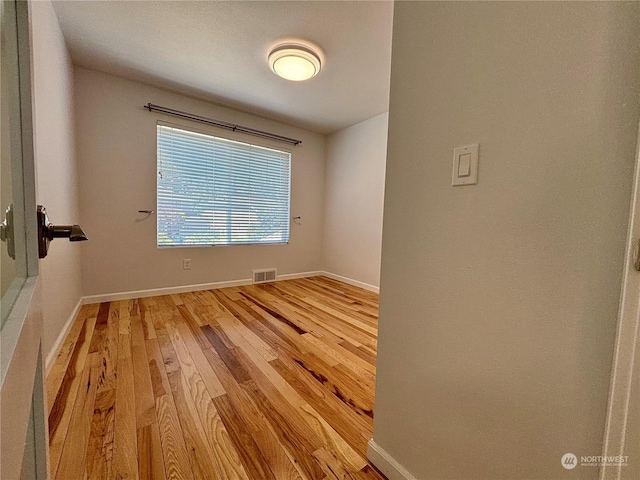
point(217, 123)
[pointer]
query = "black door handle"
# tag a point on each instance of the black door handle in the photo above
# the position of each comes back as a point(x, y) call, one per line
point(47, 232)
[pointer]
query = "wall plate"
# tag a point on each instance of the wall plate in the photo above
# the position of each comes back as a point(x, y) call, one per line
point(465, 165)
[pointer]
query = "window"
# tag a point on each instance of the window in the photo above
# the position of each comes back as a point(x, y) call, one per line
point(214, 191)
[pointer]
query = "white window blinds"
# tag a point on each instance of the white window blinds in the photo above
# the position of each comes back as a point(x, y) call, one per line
point(214, 191)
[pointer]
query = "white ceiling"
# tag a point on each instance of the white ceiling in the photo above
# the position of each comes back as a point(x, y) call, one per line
point(218, 51)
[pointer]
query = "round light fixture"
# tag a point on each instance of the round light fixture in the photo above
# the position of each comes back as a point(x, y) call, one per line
point(294, 62)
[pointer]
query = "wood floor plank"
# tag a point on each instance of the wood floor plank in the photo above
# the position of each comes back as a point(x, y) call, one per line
point(125, 461)
point(64, 357)
point(64, 402)
point(109, 351)
point(269, 381)
point(281, 462)
point(104, 344)
point(193, 321)
point(188, 365)
point(277, 336)
point(176, 460)
point(225, 301)
point(150, 461)
point(289, 436)
point(155, 314)
point(99, 463)
point(341, 302)
point(200, 453)
point(177, 299)
point(244, 338)
point(207, 374)
point(333, 441)
point(313, 320)
point(146, 320)
point(171, 362)
point(72, 461)
point(276, 326)
point(348, 291)
point(358, 351)
point(331, 466)
point(227, 356)
point(348, 319)
point(321, 433)
point(272, 311)
point(145, 402)
point(359, 306)
point(370, 473)
point(356, 429)
point(342, 356)
point(340, 381)
point(252, 458)
point(124, 319)
point(100, 331)
point(157, 372)
point(134, 307)
point(225, 457)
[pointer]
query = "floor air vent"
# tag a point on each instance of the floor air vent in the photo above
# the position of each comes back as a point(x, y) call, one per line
point(262, 276)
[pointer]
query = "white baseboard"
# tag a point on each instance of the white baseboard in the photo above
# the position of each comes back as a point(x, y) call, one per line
point(55, 349)
point(291, 276)
point(154, 292)
point(386, 463)
point(350, 281)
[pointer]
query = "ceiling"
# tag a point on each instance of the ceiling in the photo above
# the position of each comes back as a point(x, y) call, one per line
point(218, 50)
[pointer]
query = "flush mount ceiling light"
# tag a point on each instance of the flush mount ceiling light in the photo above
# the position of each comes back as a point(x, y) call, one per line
point(294, 62)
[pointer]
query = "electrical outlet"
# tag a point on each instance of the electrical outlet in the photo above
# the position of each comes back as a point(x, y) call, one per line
point(186, 264)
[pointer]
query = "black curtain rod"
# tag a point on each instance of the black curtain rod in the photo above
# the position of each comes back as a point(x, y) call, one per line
point(217, 123)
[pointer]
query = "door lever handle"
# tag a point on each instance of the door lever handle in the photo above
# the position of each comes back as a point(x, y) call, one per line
point(73, 232)
point(47, 232)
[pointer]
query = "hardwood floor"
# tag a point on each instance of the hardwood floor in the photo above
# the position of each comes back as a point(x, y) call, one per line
point(272, 381)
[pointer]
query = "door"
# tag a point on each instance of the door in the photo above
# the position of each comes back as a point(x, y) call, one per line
point(22, 413)
point(622, 434)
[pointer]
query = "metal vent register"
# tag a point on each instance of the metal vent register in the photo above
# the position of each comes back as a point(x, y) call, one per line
point(262, 276)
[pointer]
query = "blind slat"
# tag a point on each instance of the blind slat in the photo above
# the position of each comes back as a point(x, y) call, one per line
point(214, 191)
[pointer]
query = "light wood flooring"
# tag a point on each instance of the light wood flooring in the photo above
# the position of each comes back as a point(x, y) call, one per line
point(271, 381)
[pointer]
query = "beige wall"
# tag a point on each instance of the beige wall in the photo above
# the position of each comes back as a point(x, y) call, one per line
point(499, 301)
point(56, 177)
point(354, 195)
point(117, 165)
